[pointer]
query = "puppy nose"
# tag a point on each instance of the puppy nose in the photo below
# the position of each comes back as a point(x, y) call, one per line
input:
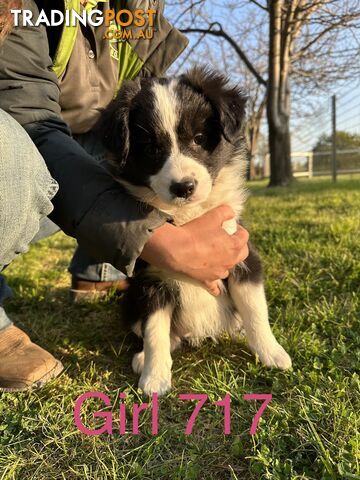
point(183, 189)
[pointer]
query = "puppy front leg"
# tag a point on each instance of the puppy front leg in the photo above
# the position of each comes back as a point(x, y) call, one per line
point(138, 359)
point(156, 373)
point(250, 301)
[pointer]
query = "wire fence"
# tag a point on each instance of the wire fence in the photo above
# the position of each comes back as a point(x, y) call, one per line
point(328, 142)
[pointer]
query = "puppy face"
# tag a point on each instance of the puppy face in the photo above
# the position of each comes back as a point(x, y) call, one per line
point(172, 136)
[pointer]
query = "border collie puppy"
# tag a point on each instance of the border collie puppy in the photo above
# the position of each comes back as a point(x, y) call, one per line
point(178, 145)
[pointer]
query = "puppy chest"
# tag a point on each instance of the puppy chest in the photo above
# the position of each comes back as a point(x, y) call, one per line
point(200, 314)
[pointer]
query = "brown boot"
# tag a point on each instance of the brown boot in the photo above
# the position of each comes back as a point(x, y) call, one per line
point(85, 290)
point(24, 365)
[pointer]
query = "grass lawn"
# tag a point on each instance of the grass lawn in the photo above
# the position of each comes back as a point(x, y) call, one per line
point(309, 239)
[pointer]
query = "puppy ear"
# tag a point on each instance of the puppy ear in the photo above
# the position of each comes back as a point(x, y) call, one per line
point(228, 101)
point(113, 125)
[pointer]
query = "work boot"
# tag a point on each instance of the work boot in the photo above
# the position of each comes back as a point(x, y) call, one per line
point(85, 290)
point(24, 365)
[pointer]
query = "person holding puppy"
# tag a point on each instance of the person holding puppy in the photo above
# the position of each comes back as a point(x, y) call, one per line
point(54, 83)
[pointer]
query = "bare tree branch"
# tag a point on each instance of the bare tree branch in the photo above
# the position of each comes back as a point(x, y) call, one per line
point(315, 40)
point(191, 7)
point(221, 33)
point(259, 5)
point(191, 51)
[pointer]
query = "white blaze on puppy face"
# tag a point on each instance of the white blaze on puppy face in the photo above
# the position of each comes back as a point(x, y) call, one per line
point(177, 166)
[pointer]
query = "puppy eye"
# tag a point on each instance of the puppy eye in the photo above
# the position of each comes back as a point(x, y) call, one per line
point(150, 149)
point(199, 139)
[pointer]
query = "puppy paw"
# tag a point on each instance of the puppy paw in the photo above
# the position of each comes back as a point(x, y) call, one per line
point(138, 362)
point(153, 383)
point(275, 356)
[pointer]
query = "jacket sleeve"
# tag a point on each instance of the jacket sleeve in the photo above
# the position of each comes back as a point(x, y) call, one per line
point(108, 223)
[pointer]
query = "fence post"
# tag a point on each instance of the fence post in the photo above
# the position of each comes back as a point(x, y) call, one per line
point(333, 123)
point(311, 164)
point(267, 165)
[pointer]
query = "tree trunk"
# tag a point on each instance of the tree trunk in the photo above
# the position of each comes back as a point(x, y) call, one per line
point(253, 137)
point(278, 104)
point(280, 158)
point(250, 171)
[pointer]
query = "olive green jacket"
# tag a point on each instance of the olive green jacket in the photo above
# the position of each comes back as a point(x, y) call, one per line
point(29, 88)
point(147, 56)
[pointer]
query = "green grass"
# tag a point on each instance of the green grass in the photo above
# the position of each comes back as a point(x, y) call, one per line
point(308, 236)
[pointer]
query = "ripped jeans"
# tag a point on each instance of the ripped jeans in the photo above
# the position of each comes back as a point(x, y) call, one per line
point(26, 190)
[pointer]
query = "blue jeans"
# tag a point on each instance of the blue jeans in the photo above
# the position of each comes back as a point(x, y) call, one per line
point(26, 190)
point(5, 292)
point(47, 228)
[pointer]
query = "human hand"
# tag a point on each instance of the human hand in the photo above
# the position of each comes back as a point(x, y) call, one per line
point(200, 249)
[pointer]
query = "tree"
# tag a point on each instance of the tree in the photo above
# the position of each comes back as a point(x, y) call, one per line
point(307, 43)
point(347, 147)
point(344, 141)
point(256, 111)
point(287, 18)
point(278, 92)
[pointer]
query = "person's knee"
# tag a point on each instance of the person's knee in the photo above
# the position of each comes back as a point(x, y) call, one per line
point(26, 188)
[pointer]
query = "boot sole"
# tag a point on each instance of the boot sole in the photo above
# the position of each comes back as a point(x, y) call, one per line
point(38, 383)
point(88, 296)
point(83, 296)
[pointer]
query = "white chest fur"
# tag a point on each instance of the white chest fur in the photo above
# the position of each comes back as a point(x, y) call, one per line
point(202, 315)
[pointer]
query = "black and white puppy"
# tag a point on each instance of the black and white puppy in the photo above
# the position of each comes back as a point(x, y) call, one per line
point(177, 144)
